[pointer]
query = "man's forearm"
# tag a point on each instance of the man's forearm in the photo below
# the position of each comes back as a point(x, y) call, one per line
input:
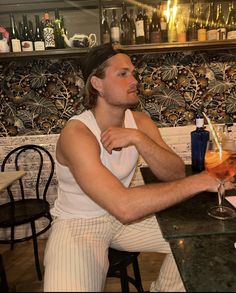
point(165, 164)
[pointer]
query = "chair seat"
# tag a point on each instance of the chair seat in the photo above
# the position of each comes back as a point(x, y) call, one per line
point(22, 211)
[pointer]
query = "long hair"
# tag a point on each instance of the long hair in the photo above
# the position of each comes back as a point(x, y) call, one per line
point(90, 93)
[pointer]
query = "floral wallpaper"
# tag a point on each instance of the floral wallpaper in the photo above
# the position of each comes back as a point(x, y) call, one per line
point(39, 96)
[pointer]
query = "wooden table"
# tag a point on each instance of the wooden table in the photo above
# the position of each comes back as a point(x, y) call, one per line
point(204, 248)
point(8, 178)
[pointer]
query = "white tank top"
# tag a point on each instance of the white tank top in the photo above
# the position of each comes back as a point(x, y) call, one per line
point(71, 201)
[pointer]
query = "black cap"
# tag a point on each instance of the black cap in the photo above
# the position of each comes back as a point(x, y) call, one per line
point(95, 57)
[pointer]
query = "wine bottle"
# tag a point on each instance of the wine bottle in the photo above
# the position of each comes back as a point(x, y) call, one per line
point(147, 23)
point(192, 24)
point(38, 37)
point(106, 37)
point(164, 26)
point(15, 40)
point(27, 39)
point(199, 139)
point(58, 30)
point(181, 30)
point(155, 28)
point(221, 24)
point(231, 24)
point(201, 32)
point(132, 27)
point(48, 33)
point(211, 24)
point(125, 27)
point(172, 31)
point(115, 28)
point(139, 25)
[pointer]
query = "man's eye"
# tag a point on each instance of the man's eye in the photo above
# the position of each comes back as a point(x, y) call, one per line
point(124, 73)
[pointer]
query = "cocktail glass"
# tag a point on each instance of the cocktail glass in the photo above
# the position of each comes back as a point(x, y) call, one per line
point(220, 161)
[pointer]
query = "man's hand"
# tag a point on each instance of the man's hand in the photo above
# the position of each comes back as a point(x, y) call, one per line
point(116, 138)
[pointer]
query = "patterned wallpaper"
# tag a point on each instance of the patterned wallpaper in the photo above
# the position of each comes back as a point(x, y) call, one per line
point(38, 96)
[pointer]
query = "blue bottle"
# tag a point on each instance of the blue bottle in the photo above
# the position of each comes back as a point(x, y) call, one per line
point(199, 139)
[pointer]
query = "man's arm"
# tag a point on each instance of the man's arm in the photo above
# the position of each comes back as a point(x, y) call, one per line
point(161, 159)
point(79, 150)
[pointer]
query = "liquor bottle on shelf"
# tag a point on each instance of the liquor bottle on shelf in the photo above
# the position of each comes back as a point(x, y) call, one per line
point(211, 24)
point(38, 37)
point(139, 25)
point(199, 139)
point(221, 23)
point(231, 23)
point(48, 33)
point(181, 30)
point(192, 24)
point(125, 27)
point(172, 31)
point(147, 23)
point(106, 35)
point(15, 40)
point(4, 47)
point(155, 28)
point(58, 30)
point(27, 39)
point(132, 26)
point(164, 25)
point(201, 32)
point(115, 28)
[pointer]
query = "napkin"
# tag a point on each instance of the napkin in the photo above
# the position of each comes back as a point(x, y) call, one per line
point(232, 200)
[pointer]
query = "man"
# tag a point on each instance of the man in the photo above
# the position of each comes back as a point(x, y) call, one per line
point(96, 156)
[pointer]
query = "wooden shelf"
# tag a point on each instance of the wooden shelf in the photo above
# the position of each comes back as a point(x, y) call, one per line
point(132, 49)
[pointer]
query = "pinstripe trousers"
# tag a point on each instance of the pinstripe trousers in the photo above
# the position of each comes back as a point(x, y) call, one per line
point(76, 253)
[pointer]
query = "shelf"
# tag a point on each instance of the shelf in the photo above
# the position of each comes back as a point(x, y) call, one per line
point(133, 49)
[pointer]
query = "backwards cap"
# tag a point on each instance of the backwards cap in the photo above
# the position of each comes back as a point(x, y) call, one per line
point(95, 57)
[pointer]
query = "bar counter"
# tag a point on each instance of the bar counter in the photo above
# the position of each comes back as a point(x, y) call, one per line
point(204, 248)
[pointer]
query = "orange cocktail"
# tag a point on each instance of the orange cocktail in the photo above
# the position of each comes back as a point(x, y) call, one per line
point(221, 165)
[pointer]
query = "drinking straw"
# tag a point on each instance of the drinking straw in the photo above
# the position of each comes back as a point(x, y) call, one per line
point(213, 132)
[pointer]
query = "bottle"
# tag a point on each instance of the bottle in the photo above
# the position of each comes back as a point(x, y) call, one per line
point(115, 28)
point(125, 27)
point(192, 24)
point(106, 37)
point(27, 39)
point(38, 37)
point(147, 23)
point(199, 139)
point(221, 24)
point(211, 24)
point(172, 31)
point(58, 30)
point(231, 23)
point(155, 28)
point(15, 40)
point(132, 27)
point(201, 32)
point(181, 30)
point(164, 27)
point(139, 25)
point(48, 33)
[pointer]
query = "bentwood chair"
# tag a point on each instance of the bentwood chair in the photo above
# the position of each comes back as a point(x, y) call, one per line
point(26, 202)
point(119, 262)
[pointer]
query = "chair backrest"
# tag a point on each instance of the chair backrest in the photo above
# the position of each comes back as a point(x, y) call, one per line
point(39, 166)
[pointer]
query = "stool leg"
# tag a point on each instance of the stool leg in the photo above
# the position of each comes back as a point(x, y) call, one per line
point(36, 254)
point(124, 280)
point(137, 275)
point(3, 278)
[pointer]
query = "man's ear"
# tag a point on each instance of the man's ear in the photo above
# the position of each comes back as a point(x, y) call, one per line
point(96, 83)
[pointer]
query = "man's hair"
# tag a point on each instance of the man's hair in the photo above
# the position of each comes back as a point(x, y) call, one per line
point(90, 93)
point(94, 64)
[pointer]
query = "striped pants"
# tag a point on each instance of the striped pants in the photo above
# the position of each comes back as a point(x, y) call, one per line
point(76, 253)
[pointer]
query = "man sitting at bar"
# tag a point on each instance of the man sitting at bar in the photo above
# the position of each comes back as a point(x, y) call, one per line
point(96, 157)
